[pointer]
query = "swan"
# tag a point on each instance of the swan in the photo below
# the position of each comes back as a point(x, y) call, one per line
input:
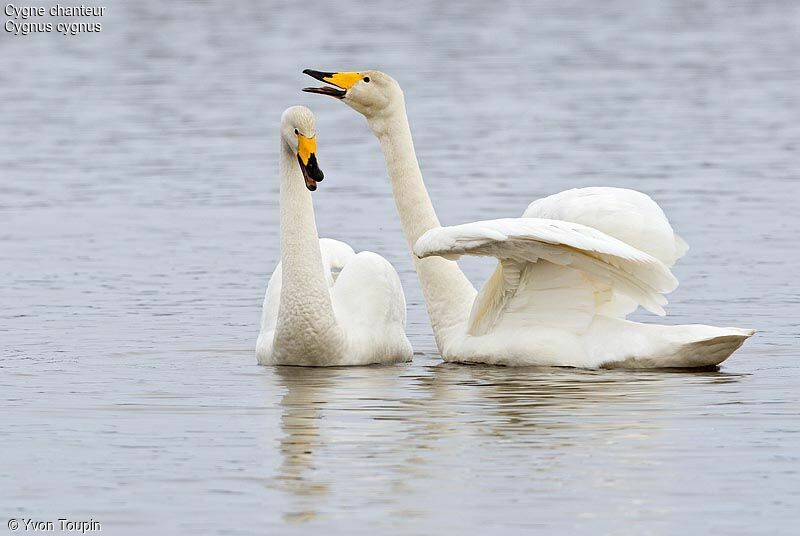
point(325, 305)
point(569, 270)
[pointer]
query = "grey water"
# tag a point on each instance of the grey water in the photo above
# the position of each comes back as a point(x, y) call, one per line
point(139, 226)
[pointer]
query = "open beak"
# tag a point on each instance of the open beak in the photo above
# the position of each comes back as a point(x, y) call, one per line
point(307, 157)
point(341, 82)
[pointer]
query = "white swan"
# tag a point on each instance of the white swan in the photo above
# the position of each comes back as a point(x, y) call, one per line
point(569, 270)
point(325, 305)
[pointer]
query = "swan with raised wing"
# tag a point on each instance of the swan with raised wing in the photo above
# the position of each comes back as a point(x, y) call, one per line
point(569, 270)
point(325, 305)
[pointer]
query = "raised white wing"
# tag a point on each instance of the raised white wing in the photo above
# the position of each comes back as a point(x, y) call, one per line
point(527, 287)
point(627, 215)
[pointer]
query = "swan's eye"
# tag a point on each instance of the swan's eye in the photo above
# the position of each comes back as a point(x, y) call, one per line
point(296, 131)
point(366, 79)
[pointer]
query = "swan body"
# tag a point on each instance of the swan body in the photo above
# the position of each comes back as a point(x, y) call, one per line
point(560, 294)
point(325, 305)
point(569, 270)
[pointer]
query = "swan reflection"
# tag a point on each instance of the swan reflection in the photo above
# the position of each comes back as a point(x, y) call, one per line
point(371, 436)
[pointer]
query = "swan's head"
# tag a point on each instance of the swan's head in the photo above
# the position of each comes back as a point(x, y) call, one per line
point(299, 133)
point(370, 93)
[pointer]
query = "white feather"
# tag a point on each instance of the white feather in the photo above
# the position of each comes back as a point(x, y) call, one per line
point(561, 290)
point(325, 305)
point(603, 258)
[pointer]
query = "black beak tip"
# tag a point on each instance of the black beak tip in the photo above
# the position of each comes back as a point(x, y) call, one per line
point(318, 75)
point(331, 90)
point(313, 168)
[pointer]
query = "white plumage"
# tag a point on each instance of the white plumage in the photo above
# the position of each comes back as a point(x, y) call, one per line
point(368, 307)
point(628, 215)
point(325, 305)
point(519, 242)
point(568, 284)
point(569, 271)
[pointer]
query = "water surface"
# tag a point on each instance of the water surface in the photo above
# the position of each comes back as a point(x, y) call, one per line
point(138, 228)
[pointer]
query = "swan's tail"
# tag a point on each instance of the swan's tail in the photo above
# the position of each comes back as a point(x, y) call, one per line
point(688, 346)
point(712, 351)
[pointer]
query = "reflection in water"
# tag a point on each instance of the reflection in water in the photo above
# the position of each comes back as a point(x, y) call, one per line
point(306, 392)
point(336, 423)
point(139, 224)
point(537, 402)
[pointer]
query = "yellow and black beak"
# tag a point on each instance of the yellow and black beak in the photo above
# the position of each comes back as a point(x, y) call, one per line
point(307, 157)
point(341, 82)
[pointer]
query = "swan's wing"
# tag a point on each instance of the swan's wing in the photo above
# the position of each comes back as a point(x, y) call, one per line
point(367, 295)
point(596, 261)
point(272, 300)
point(627, 215)
point(335, 255)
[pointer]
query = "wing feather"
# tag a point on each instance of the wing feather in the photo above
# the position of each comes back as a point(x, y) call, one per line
point(627, 270)
point(628, 215)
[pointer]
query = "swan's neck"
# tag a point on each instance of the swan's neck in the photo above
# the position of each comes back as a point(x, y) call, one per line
point(305, 312)
point(447, 291)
